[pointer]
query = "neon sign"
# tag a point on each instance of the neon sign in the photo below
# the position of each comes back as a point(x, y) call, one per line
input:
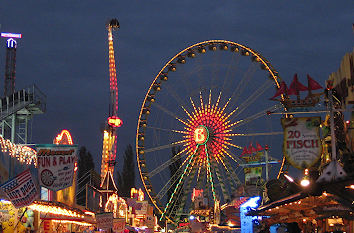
point(11, 43)
point(11, 35)
point(114, 121)
point(201, 135)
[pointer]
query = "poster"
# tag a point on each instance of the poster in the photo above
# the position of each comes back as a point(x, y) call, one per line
point(15, 220)
point(104, 220)
point(143, 207)
point(118, 225)
point(302, 145)
point(56, 165)
point(21, 190)
point(253, 175)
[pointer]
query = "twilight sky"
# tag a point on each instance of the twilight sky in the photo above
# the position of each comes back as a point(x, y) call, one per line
point(64, 51)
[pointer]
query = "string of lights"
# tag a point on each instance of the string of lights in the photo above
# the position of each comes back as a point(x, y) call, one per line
point(22, 153)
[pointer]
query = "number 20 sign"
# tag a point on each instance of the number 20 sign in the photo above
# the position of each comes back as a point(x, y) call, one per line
point(302, 145)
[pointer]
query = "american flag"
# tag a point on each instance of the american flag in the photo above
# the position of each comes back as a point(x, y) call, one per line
point(17, 181)
point(21, 190)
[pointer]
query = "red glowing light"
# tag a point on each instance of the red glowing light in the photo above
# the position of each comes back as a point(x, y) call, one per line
point(115, 121)
point(64, 138)
point(208, 125)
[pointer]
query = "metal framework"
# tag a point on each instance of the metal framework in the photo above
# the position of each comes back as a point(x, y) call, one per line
point(17, 108)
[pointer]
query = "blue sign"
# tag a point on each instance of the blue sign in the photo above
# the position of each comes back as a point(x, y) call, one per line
point(11, 43)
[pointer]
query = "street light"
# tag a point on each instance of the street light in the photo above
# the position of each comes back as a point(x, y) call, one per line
point(305, 182)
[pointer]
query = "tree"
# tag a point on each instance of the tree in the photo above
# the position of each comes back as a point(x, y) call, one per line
point(126, 179)
point(85, 162)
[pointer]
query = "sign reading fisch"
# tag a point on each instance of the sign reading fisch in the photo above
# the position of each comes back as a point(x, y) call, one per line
point(56, 165)
point(302, 145)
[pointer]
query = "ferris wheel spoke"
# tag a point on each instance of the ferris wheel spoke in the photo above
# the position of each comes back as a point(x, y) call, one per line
point(167, 111)
point(186, 190)
point(210, 174)
point(242, 84)
point(233, 66)
point(231, 156)
point(199, 74)
point(166, 164)
point(215, 168)
point(177, 199)
point(233, 175)
point(251, 99)
point(215, 71)
point(249, 118)
point(171, 181)
point(167, 130)
point(178, 185)
point(174, 94)
point(253, 134)
point(152, 149)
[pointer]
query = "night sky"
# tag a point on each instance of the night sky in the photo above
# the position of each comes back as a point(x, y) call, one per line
point(64, 51)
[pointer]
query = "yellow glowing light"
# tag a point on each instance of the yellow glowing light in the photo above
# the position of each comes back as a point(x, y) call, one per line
point(60, 137)
point(305, 182)
point(73, 222)
point(137, 193)
point(117, 205)
point(24, 154)
point(56, 210)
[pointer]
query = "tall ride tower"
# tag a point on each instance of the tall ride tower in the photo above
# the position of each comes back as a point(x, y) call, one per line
point(10, 67)
point(109, 149)
point(17, 107)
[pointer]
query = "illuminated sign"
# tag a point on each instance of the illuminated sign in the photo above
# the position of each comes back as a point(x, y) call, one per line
point(11, 35)
point(114, 121)
point(11, 43)
point(201, 135)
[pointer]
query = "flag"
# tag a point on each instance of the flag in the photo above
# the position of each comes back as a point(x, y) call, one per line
point(259, 147)
point(312, 84)
point(245, 151)
point(21, 190)
point(296, 86)
point(251, 149)
point(283, 89)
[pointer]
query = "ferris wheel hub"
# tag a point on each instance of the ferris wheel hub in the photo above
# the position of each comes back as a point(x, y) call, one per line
point(201, 135)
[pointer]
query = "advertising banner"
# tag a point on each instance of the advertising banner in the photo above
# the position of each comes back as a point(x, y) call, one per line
point(118, 225)
point(104, 221)
point(21, 190)
point(143, 207)
point(302, 144)
point(56, 165)
point(253, 175)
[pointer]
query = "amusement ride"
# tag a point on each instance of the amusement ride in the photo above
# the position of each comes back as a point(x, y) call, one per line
point(109, 149)
point(200, 116)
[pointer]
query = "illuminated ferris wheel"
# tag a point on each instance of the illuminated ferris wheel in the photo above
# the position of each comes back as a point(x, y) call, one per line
point(204, 106)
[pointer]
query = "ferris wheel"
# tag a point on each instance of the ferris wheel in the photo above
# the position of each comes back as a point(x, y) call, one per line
point(204, 106)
